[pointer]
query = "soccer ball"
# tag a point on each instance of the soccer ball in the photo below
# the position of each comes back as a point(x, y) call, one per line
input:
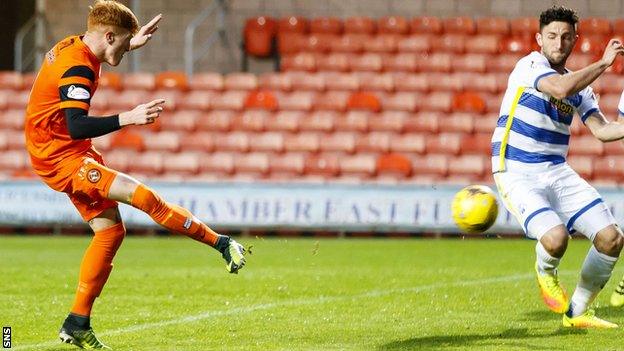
point(474, 209)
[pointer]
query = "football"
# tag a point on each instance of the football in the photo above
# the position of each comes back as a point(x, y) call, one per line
point(475, 209)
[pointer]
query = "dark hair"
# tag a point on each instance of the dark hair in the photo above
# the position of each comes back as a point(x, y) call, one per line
point(558, 14)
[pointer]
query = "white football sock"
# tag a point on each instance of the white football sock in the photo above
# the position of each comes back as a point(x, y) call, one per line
point(595, 273)
point(546, 264)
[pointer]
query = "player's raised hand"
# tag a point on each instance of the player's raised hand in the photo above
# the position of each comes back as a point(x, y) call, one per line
point(145, 33)
point(142, 114)
point(614, 48)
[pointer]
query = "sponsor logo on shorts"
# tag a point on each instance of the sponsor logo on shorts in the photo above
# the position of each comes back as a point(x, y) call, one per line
point(94, 175)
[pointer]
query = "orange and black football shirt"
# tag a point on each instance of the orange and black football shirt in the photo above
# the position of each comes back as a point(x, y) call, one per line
point(67, 79)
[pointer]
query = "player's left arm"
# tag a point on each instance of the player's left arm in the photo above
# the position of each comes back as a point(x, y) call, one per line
point(145, 33)
point(603, 129)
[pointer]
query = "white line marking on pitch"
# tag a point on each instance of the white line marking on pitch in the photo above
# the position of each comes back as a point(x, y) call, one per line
point(296, 302)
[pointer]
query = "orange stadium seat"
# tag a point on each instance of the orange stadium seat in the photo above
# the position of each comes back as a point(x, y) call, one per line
point(444, 143)
point(290, 42)
point(469, 101)
point(402, 62)
point(393, 25)
point(394, 164)
point(364, 101)
point(461, 24)
point(254, 163)
point(377, 142)
point(350, 42)
point(391, 121)
point(318, 121)
point(326, 165)
point(206, 81)
point(171, 80)
point(470, 63)
point(127, 99)
point(250, 120)
point(364, 165)
point(162, 141)
point(524, 26)
point(367, 62)
point(590, 44)
point(425, 24)
point(302, 142)
point(11, 80)
point(218, 163)
point(258, 36)
point(453, 43)
point(307, 81)
point(230, 100)
point(196, 100)
point(318, 42)
point(263, 99)
point(303, 61)
point(460, 122)
point(411, 82)
point(110, 80)
point(583, 165)
point(267, 142)
point(330, 25)
point(291, 164)
point(375, 81)
point(275, 81)
point(292, 24)
point(234, 141)
point(493, 25)
point(484, 44)
point(127, 139)
point(408, 143)
point(356, 121)
point(586, 145)
point(172, 98)
point(478, 144)
point(149, 162)
point(516, 44)
point(338, 142)
point(199, 141)
point(332, 100)
point(139, 81)
point(423, 122)
point(415, 43)
point(335, 61)
point(285, 121)
point(360, 25)
point(216, 121)
point(593, 25)
point(297, 100)
point(402, 101)
point(240, 81)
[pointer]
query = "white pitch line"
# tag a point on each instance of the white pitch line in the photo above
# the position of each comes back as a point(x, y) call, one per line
point(295, 302)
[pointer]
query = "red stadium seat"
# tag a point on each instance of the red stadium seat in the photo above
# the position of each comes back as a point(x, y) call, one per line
point(444, 143)
point(430, 164)
point(470, 63)
point(579, 60)
point(524, 26)
point(267, 142)
point(359, 164)
point(371, 81)
point(241, 81)
point(318, 42)
point(408, 143)
point(402, 101)
point(360, 25)
point(14, 160)
point(258, 36)
point(329, 25)
point(12, 119)
point(302, 142)
point(292, 24)
point(11, 80)
point(185, 163)
point(150, 162)
point(332, 100)
point(171, 80)
point(290, 42)
point(469, 102)
point(411, 82)
point(402, 62)
point(486, 123)
point(218, 163)
point(483, 44)
point(370, 62)
point(302, 61)
point(264, 100)
point(253, 163)
point(200, 141)
point(382, 43)
point(319, 121)
point(275, 81)
point(423, 122)
point(461, 25)
point(492, 102)
point(180, 121)
point(377, 142)
point(15, 139)
point(28, 79)
point(230, 100)
point(216, 121)
point(119, 160)
point(291, 163)
point(351, 43)
point(453, 43)
point(460, 122)
point(127, 100)
point(503, 63)
point(364, 101)
point(110, 80)
point(206, 81)
point(586, 145)
point(139, 81)
point(416, 43)
point(480, 82)
point(127, 139)
point(356, 121)
point(609, 168)
point(307, 81)
point(172, 98)
point(287, 121)
point(324, 165)
point(298, 100)
point(394, 164)
point(336, 61)
point(521, 45)
point(445, 82)
point(477, 144)
point(583, 165)
point(429, 25)
point(393, 25)
point(196, 100)
point(391, 121)
point(468, 165)
point(18, 99)
point(438, 101)
point(493, 25)
point(593, 25)
point(234, 141)
point(590, 44)
point(250, 120)
point(436, 62)
point(338, 142)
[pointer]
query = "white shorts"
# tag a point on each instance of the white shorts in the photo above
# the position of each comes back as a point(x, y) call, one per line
point(543, 200)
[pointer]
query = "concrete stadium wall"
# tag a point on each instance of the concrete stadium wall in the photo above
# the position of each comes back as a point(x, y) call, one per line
point(165, 52)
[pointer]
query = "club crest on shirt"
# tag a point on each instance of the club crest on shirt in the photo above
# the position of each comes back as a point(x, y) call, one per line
point(78, 93)
point(94, 175)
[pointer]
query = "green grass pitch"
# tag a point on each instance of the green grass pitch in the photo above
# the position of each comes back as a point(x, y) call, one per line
point(299, 294)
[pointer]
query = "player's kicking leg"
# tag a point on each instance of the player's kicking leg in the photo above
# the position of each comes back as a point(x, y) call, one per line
point(549, 249)
point(617, 297)
point(175, 218)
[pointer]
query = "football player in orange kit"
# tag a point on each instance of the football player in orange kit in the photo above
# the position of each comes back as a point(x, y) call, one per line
point(58, 138)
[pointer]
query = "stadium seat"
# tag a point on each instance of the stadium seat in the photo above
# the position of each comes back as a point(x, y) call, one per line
point(234, 141)
point(233, 100)
point(402, 62)
point(127, 100)
point(483, 44)
point(267, 142)
point(218, 163)
point(184, 163)
point(110, 80)
point(289, 164)
point(171, 80)
point(4, 140)
point(148, 162)
point(275, 81)
point(486, 123)
point(438, 101)
point(492, 102)
point(335, 61)
point(613, 148)
point(409, 143)
point(609, 103)
point(461, 24)
point(459, 122)
point(585, 145)
point(255, 163)
point(435, 62)
point(444, 143)
point(301, 142)
point(444, 82)
point(430, 164)
point(360, 25)
point(425, 24)
point(477, 144)
point(382, 43)
point(370, 81)
point(127, 138)
point(172, 98)
point(394, 164)
point(420, 43)
point(11, 80)
point(363, 165)
point(452, 43)
point(206, 81)
point(609, 168)
point(469, 101)
point(492, 25)
point(28, 79)
point(250, 120)
point(285, 121)
point(393, 25)
point(198, 141)
point(292, 24)
point(390, 121)
point(367, 62)
point(199, 100)
point(162, 141)
point(297, 100)
point(240, 81)
point(515, 44)
point(375, 142)
point(481, 82)
point(18, 99)
point(524, 26)
point(364, 101)
point(350, 43)
point(139, 81)
point(325, 165)
point(343, 142)
point(307, 81)
point(467, 165)
point(593, 25)
point(411, 82)
point(470, 63)
point(120, 160)
point(423, 122)
point(503, 63)
point(318, 43)
point(15, 139)
point(12, 119)
point(356, 121)
point(14, 160)
point(290, 42)
point(583, 165)
point(330, 25)
point(263, 100)
point(590, 44)
point(402, 101)
point(332, 100)
point(216, 121)
point(258, 36)
point(318, 121)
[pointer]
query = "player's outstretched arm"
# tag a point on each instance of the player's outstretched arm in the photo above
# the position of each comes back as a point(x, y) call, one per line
point(560, 86)
point(142, 114)
point(603, 129)
point(145, 33)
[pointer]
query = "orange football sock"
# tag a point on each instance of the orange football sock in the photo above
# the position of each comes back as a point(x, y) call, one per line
point(96, 267)
point(173, 217)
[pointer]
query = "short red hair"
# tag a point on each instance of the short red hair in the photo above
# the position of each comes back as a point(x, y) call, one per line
point(111, 13)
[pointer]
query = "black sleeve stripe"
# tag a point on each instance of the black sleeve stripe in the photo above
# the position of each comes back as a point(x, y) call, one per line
point(64, 93)
point(80, 71)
